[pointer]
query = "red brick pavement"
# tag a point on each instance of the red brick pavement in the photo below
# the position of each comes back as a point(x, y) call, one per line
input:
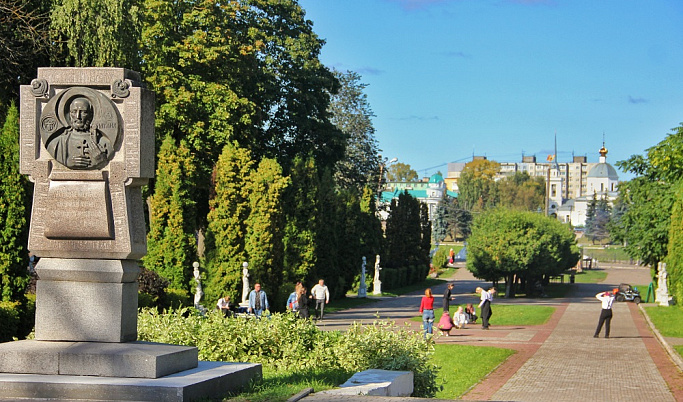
point(495, 380)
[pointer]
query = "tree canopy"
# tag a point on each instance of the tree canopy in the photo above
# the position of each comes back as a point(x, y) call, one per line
point(507, 244)
point(477, 187)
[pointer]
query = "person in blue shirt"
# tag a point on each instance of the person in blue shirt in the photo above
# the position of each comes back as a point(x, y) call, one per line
point(258, 301)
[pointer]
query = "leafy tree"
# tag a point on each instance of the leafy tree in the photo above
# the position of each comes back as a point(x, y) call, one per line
point(171, 244)
point(263, 243)
point(649, 198)
point(521, 191)
point(401, 172)
point(328, 236)
point(245, 71)
point(351, 113)
point(14, 212)
point(674, 259)
point(96, 33)
point(227, 227)
point(477, 185)
point(24, 45)
point(519, 245)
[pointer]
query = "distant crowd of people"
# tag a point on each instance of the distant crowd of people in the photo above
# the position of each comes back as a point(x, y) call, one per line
point(298, 302)
point(461, 317)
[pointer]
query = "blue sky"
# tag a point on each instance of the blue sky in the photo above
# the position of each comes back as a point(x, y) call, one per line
point(451, 78)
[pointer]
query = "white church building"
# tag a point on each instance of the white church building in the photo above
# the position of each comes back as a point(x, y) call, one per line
point(601, 181)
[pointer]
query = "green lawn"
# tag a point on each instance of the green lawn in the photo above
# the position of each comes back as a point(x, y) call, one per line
point(506, 315)
point(668, 320)
point(590, 276)
point(464, 366)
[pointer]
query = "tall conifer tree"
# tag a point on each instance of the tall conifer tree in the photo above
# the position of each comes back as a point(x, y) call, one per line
point(14, 212)
point(264, 243)
point(227, 223)
point(171, 244)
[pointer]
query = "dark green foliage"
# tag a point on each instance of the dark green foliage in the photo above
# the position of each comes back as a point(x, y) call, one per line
point(24, 46)
point(301, 210)
point(509, 244)
point(440, 224)
point(15, 201)
point(405, 228)
point(9, 320)
point(171, 241)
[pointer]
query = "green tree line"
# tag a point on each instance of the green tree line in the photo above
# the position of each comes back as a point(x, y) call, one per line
point(264, 154)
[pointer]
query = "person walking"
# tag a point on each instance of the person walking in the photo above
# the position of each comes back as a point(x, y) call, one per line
point(607, 298)
point(302, 302)
point(258, 301)
point(427, 311)
point(447, 299)
point(322, 297)
point(485, 306)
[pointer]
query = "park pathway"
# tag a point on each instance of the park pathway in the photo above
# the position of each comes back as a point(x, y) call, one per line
point(560, 360)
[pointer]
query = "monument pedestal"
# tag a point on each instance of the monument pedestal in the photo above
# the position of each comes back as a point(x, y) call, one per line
point(132, 359)
point(210, 380)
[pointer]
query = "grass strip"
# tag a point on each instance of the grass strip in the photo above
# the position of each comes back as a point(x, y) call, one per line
point(505, 315)
point(463, 366)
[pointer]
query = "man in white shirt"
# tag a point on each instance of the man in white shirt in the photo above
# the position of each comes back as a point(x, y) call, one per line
point(607, 298)
point(321, 296)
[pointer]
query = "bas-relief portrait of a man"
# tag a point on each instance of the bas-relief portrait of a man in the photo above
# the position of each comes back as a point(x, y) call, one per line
point(73, 137)
point(80, 146)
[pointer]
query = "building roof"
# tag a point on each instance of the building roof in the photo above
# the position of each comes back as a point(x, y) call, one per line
point(602, 170)
point(436, 178)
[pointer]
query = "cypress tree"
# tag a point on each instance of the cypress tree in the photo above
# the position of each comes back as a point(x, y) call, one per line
point(301, 210)
point(14, 212)
point(171, 244)
point(264, 244)
point(227, 223)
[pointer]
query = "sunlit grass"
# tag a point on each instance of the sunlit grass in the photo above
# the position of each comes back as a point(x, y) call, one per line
point(506, 315)
point(464, 366)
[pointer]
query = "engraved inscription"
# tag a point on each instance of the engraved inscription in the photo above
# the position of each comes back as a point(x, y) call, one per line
point(81, 210)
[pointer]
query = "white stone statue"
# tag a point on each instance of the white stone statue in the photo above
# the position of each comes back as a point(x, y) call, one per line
point(245, 282)
point(377, 284)
point(362, 289)
point(199, 293)
point(662, 293)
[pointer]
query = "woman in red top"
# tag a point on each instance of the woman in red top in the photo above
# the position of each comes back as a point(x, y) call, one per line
point(427, 311)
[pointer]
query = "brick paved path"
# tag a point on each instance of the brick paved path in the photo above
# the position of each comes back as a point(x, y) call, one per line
point(560, 360)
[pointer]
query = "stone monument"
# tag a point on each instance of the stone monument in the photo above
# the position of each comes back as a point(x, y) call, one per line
point(377, 284)
point(87, 144)
point(245, 284)
point(662, 294)
point(362, 289)
point(199, 292)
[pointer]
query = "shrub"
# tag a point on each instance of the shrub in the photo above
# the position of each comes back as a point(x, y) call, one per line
point(440, 257)
point(9, 320)
point(284, 342)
